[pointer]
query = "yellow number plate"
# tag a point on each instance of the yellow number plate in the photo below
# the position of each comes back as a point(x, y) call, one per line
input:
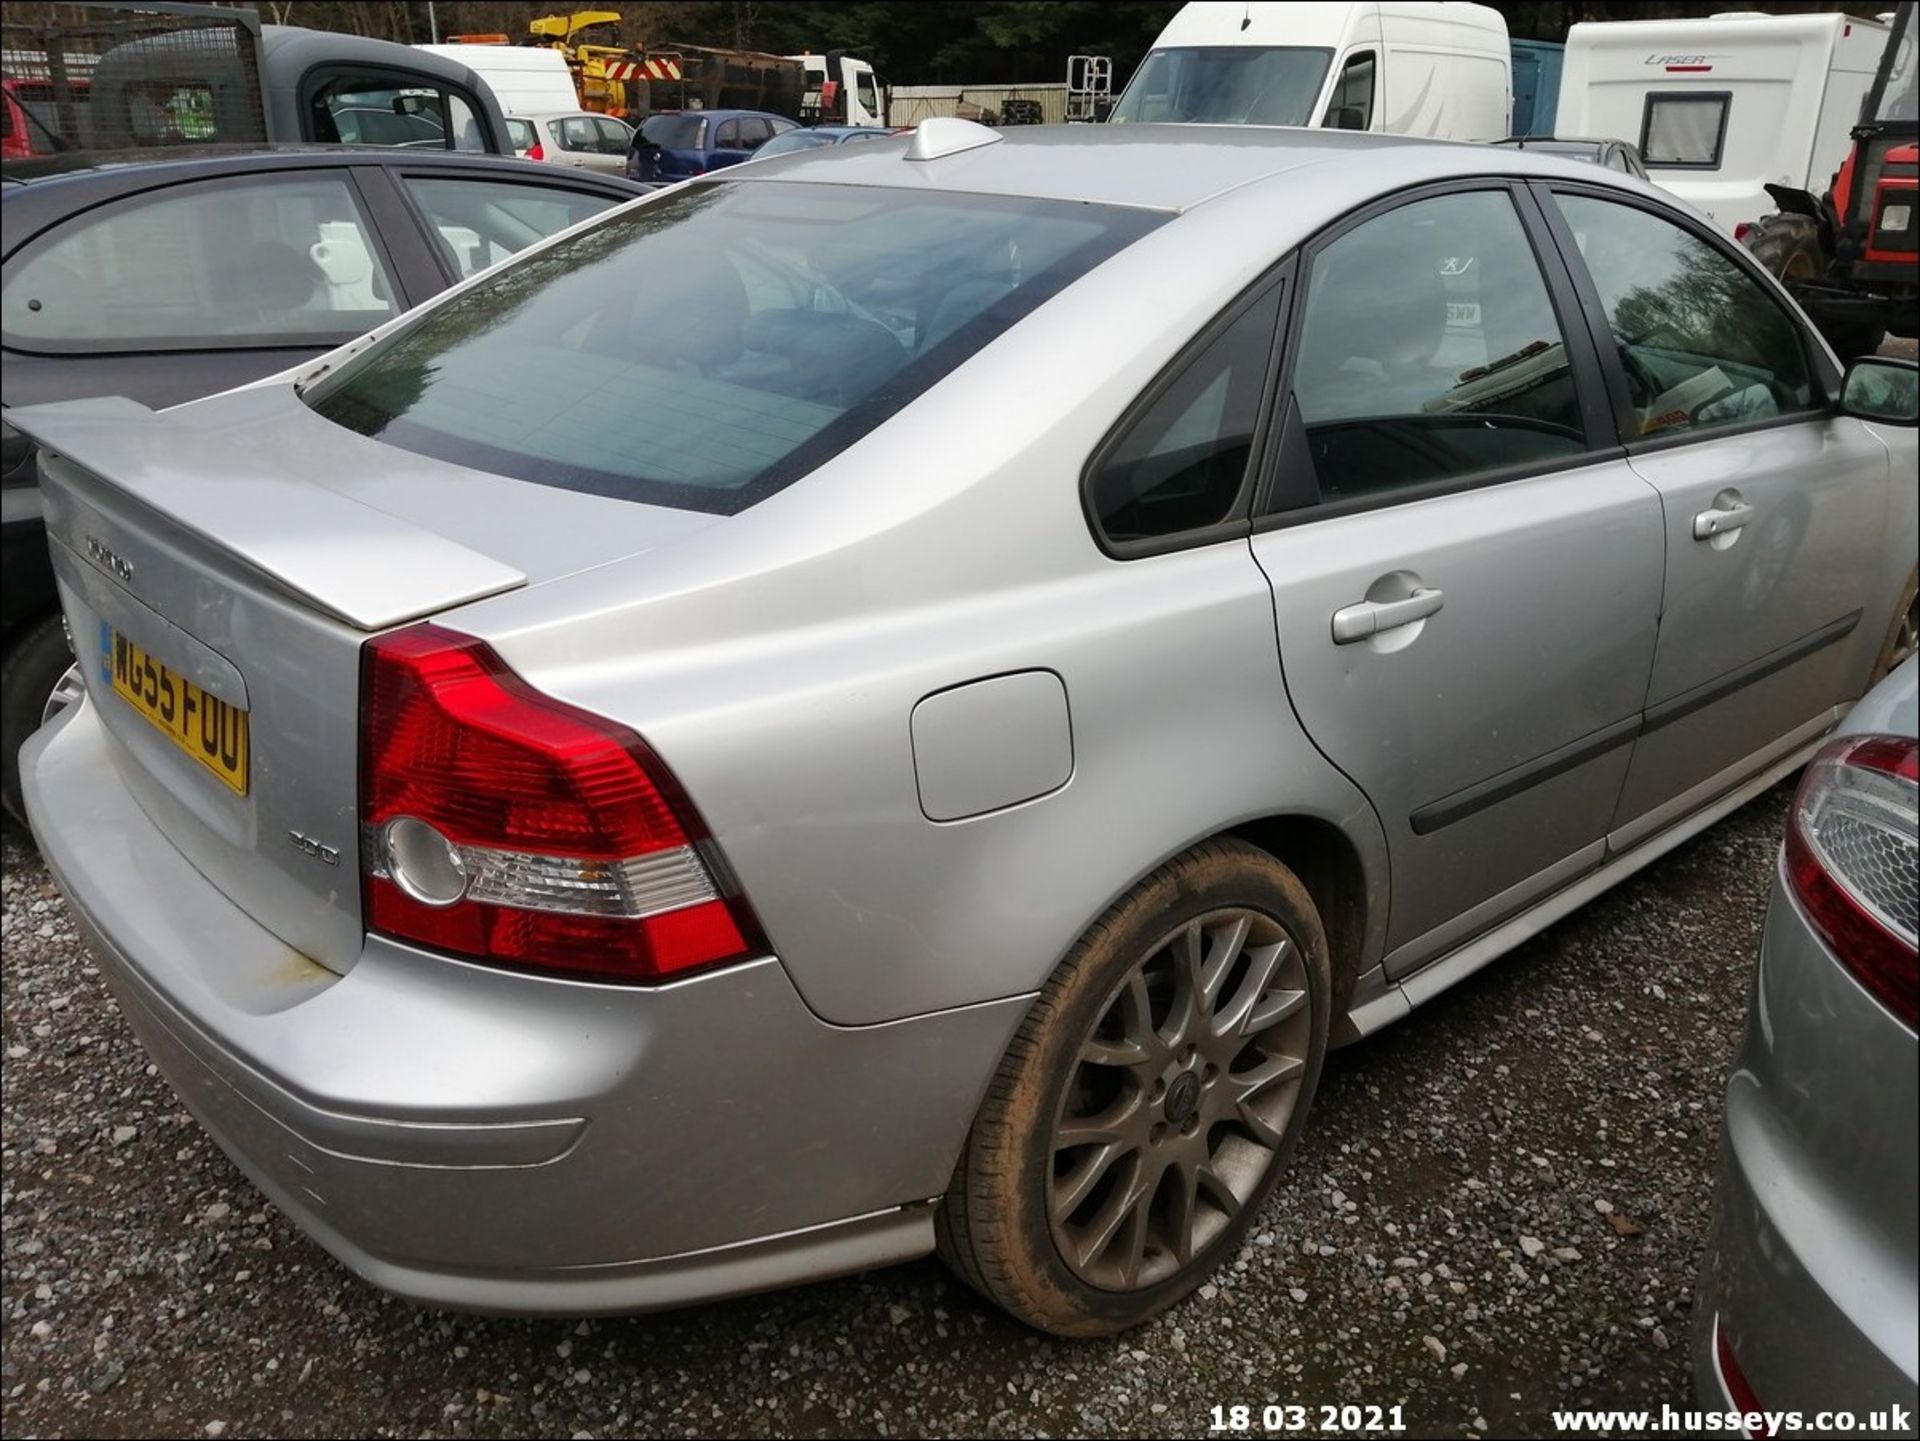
point(205, 727)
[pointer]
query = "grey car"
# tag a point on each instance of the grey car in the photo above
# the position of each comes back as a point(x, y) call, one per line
point(904, 697)
point(1807, 1301)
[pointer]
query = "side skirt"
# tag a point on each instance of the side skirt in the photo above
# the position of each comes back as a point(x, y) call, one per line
point(1378, 1002)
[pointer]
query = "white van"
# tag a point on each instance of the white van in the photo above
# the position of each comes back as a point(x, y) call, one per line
point(1399, 66)
point(1720, 107)
point(525, 79)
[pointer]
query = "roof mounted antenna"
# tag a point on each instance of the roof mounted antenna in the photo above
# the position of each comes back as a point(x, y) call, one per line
point(1246, 15)
point(948, 135)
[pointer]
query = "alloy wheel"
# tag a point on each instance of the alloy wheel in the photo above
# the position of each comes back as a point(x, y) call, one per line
point(66, 692)
point(1179, 1099)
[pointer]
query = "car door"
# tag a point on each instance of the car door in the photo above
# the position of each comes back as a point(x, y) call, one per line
point(579, 140)
point(179, 291)
point(729, 144)
point(1466, 572)
point(1772, 502)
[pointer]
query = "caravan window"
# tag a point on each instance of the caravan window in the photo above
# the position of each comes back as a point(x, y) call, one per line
point(1685, 130)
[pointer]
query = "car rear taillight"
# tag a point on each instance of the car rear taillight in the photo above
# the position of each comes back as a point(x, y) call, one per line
point(501, 825)
point(536, 151)
point(1741, 228)
point(1851, 855)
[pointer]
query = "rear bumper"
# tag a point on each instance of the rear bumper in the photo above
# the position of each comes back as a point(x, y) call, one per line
point(471, 1138)
point(1810, 1272)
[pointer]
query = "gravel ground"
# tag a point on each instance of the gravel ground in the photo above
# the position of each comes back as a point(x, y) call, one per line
point(1498, 1210)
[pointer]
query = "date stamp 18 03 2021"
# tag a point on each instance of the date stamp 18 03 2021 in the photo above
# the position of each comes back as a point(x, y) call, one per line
point(1306, 1420)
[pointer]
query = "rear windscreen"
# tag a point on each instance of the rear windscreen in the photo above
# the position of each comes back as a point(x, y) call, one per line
point(707, 348)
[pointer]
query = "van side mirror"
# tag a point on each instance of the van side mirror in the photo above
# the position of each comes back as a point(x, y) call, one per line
point(1883, 389)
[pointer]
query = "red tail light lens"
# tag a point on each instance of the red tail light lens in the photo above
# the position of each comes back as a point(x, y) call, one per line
point(505, 826)
point(536, 151)
point(1741, 229)
point(1852, 851)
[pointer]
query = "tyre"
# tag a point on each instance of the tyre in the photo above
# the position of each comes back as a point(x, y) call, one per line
point(1149, 1101)
point(34, 684)
point(1789, 246)
point(1903, 632)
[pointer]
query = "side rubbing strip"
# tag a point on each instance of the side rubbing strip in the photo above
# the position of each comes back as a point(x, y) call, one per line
point(1509, 783)
point(1687, 702)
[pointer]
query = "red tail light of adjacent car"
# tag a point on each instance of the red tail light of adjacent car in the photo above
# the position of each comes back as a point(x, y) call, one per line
point(503, 826)
point(1852, 850)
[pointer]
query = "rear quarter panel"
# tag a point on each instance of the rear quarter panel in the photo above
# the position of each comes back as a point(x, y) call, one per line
point(774, 661)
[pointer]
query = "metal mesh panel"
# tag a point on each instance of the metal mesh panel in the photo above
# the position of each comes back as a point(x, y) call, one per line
point(116, 77)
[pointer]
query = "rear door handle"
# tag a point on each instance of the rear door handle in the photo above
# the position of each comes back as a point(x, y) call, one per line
point(1370, 617)
point(1722, 520)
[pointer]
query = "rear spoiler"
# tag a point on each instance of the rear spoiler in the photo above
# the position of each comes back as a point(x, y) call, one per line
point(345, 558)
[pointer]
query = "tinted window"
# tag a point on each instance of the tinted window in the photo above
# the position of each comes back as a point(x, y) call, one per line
point(675, 132)
point(1351, 107)
point(798, 317)
point(263, 259)
point(728, 136)
point(1684, 130)
point(365, 110)
point(1430, 350)
point(480, 222)
point(1226, 85)
point(1181, 462)
point(1701, 341)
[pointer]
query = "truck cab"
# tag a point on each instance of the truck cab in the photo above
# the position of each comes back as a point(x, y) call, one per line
point(1395, 66)
point(841, 90)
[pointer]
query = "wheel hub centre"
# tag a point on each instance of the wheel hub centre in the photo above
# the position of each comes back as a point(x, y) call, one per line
point(1183, 1098)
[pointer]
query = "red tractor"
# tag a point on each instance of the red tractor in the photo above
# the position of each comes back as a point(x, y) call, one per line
point(1849, 257)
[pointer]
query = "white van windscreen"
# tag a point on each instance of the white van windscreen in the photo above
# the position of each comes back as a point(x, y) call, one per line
point(1226, 85)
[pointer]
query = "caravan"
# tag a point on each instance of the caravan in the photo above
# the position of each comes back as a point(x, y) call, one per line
point(1724, 106)
point(1398, 66)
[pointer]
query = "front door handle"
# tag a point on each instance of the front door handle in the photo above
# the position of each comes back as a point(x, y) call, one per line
point(1370, 617)
point(1721, 520)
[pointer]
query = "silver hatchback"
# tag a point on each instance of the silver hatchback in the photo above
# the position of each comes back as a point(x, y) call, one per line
point(904, 698)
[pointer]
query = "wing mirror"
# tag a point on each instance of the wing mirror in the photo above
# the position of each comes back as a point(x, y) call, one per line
point(1881, 388)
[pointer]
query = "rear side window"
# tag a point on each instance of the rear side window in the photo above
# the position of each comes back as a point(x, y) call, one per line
point(578, 132)
point(1430, 351)
point(480, 221)
point(1684, 131)
point(675, 132)
point(1701, 341)
point(258, 260)
point(709, 347)
point(1182, 463)
point(520, 132)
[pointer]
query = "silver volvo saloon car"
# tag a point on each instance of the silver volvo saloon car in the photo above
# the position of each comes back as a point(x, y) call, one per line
point(904, 698)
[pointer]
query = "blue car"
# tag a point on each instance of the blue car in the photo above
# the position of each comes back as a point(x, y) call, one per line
point(692, 142)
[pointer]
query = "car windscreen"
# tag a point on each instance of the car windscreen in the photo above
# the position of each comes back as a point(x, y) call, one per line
point(705, 349)
point(1226, 85)
point(1899, 97)
point(675, 132)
